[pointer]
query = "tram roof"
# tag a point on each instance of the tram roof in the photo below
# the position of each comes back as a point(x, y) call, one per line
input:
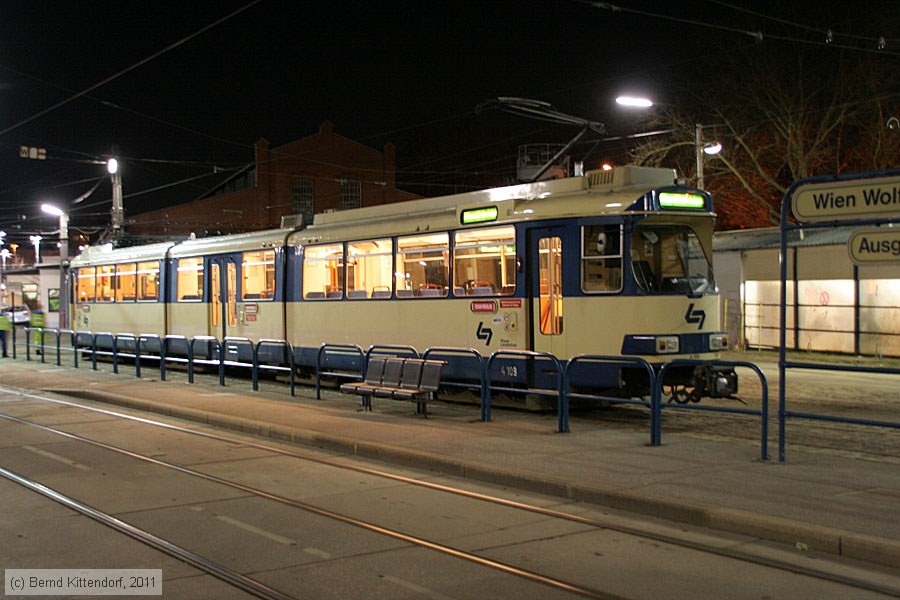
point(106, 254)
point(595, 193)
point(238, 242)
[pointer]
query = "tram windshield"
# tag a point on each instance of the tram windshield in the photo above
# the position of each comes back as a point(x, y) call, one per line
point(669, 259)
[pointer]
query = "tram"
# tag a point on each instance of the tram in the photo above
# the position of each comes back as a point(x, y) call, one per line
point(613, 263)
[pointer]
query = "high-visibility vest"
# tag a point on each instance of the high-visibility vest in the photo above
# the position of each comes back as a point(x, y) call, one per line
point(5, 324)
point(37, 320)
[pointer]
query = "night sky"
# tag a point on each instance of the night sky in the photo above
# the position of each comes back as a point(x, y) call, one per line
point(410, 73)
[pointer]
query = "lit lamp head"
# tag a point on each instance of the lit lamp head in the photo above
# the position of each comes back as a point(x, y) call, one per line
point(52, 210)
point(712, 148)
point(634, 102)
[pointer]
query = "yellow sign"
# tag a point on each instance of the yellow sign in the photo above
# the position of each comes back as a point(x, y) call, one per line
point(870, 246)
point(851, 199)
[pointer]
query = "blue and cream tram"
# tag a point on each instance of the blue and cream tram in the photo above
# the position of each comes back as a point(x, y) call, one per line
point(610, 263)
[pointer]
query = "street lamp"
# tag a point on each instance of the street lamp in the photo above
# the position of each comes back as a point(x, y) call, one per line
point(50, 209)
point(118, 211)
point(700, 148)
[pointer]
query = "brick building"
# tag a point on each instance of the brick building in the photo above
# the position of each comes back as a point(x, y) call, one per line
point(324, 171)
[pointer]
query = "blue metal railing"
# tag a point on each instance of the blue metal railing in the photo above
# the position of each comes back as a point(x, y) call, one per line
point(562, 406)
point(763, 412)
point(652, 403)
point(289, 350)
point(215, 354)
point(323, 349)
point(482, 371)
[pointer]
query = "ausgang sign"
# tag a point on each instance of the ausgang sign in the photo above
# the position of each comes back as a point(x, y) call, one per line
point(851, 199)
point(870, 246)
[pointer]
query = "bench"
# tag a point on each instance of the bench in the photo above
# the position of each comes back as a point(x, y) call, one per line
point(411, 379)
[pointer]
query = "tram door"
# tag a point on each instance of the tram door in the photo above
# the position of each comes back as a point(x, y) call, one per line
point(223, 297)
point(545, 291)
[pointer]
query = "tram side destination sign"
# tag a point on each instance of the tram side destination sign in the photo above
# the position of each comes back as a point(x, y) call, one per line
point(847, 200)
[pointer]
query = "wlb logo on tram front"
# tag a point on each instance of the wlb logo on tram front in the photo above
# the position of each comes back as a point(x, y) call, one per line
point(695, 316)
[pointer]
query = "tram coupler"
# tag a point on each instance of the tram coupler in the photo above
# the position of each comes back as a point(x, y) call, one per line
point(715, 381)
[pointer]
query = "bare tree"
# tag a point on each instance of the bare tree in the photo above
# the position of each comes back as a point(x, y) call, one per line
point(782, 114)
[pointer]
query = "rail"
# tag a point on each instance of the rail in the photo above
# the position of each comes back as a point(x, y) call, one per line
point(652, 404)
point(562, 404)
point(763, 412)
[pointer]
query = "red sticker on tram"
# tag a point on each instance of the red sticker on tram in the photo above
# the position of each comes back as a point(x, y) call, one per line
point(511, 303)
point(483, 307)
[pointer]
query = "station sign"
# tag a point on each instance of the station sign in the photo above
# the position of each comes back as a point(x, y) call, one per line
point(875, 246)
point(851, 199)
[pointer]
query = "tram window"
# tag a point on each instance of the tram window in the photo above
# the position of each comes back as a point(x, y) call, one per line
point(323, 272)
point(86, 287)
point(485, 262)
point(670, 259)
point(189, 285)
point(148, 280)
point(423, 265)
point(125, 283)
point(601, 258)
point(369, 267)
point(105, 284)
point(258, 272)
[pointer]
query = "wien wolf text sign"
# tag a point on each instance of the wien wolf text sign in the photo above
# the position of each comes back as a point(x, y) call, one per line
point(851, 199)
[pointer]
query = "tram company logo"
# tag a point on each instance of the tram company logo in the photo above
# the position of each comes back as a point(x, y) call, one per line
point(484, 333)
point(695, 316)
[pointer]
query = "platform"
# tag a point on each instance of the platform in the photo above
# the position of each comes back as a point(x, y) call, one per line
point(819, 501)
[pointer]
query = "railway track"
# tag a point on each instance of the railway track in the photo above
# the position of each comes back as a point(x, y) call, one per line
point(548, 581)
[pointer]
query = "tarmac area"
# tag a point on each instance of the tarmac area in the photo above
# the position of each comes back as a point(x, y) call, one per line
point(840, 500)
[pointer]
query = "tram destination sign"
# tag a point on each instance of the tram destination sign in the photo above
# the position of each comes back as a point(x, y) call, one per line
point(851, 199)
point(874, 246)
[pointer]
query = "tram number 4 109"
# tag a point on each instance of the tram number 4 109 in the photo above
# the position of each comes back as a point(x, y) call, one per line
point(509, 371)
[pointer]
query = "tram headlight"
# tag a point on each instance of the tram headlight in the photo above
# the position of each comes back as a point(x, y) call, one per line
point(718, 341)
point(667, 345)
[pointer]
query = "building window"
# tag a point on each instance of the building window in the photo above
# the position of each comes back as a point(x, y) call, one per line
point(302, 201)
point(351, 193)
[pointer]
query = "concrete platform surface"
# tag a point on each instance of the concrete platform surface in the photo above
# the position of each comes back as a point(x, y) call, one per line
point(819, 500)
